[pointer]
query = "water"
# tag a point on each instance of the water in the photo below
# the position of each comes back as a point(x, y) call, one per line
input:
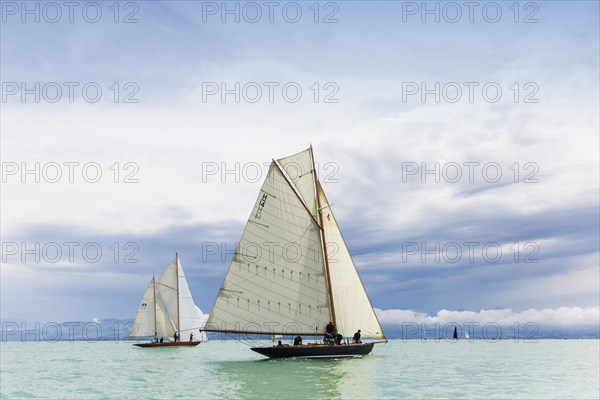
point(547, 369)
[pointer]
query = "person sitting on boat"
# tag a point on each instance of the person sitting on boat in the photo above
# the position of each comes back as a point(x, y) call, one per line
point(337, 338)
point(356, 337)
point(330, 328)
point(279, 344)
point(298, 340)
point(191, 336)
point(161, 339)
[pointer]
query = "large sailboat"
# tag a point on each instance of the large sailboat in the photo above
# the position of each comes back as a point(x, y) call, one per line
point(168, 308)
point(292, 274)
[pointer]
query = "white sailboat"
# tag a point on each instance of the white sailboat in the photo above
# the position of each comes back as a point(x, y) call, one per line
point(292, 273)
point(167, 308)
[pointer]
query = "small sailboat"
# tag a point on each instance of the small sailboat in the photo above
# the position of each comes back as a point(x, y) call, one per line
point(274, 338)
point(292, 273)
point(168, 308)
point(455, 334)
point(467, 334)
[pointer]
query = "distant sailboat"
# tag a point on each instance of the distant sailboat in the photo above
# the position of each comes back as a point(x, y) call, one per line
point(275, 337)
point(467, 334)
point(166, 308)
point(455, 335)
point(292, 273)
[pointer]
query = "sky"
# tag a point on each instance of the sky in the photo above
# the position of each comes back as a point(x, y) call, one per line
point(458, 145)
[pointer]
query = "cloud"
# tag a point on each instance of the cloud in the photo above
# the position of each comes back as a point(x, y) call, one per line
point(550, 317)
point(369, 135)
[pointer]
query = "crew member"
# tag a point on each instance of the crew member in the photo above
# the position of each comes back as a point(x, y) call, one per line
point(356, 337)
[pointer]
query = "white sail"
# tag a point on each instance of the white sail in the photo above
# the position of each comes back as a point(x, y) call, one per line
point(165, 325)
point(167, 291)
point(168, 307)
point(152, 318)
point(299, 169)
point(276, 283)
point(144, 320)
point(353, 310)
point(191, 318)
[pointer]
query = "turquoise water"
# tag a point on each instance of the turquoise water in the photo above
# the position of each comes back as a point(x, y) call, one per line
point(411, 369)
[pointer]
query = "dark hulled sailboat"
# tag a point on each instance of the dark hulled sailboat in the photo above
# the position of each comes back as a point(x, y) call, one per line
point(292, 273)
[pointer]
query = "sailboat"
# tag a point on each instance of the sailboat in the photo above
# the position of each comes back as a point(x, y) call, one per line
point(168, 308)
point(292, 273)
point(455, 334)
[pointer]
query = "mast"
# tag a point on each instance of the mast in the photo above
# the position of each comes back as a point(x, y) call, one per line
point(177, 287)
point(323, 244)
point(154, 284)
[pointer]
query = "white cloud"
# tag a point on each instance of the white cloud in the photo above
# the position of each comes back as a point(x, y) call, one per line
point(553, 317)
point(368, 134)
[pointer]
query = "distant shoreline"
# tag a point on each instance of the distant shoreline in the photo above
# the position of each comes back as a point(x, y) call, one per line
point(118, 330)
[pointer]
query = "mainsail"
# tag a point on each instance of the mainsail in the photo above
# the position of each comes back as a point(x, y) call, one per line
point(279, 281)
point(168, 307)
point(276, 282)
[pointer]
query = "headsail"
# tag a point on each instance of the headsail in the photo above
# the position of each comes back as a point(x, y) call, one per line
point(144, 320)
point(353, 310)
point(152, 318)
point(276, 281)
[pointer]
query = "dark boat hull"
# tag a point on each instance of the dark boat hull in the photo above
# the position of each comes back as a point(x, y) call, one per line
point(316, 351)
point(168, 344)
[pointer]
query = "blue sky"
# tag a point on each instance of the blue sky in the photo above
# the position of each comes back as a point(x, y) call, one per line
point(545, 120)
